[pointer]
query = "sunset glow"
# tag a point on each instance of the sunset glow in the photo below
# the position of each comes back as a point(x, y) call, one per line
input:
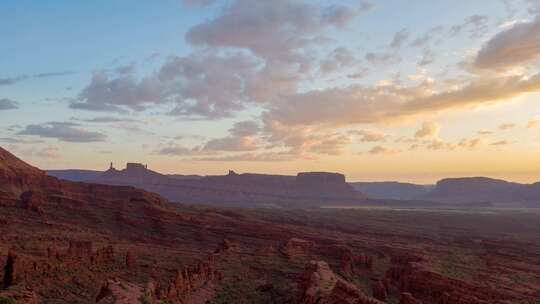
point(446, 89)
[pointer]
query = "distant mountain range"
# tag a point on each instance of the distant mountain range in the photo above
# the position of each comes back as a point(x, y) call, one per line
point(466, 190)
point(392, 190)
point(304, 189)
point(309, 188)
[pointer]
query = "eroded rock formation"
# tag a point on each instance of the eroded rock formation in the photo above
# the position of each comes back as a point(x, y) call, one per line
point(410, 276)
point(379, 290)
point(320, 285)
point(407, 298)
point(305, 188)
point(191, 278)
point(295, 246)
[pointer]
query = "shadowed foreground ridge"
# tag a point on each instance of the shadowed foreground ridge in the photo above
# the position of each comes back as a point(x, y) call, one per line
point(69, 242)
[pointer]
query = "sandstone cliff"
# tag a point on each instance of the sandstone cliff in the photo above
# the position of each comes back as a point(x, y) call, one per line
point(310, 188)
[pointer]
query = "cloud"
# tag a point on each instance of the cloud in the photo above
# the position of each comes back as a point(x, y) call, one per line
point(428, 130)
point(359, 74)
point(361, 104)
point(266, 57)
point(399, 38)
point(125, 69)
point(11, 140)
point(270, 29)
point(427, 38)
point(48, 153)
point(231, 143)
point(485, 132)
point(8, 104)
point(53, 74)
point(64, 131)
point(366, 5)
point(104, 94)
point(513, 46)
point(427, 57)
point(177, 150)
point(106, 119)
point(16, 79)
point(534, 7)
point(500, 143)
point(369, 135)
point(241, 138)
point(332, 145)
point(245, 128)
point(338, 59)
point(507, 126)
point(439, 144)
point(533, 123)
point(382, 58)
point(249, 157)
point(304, 141)
point(378, 150)
point(199, 3)
point(206, 84)
point(11, 80)
point(212, 85)
point(476, 26)
point(471, 143)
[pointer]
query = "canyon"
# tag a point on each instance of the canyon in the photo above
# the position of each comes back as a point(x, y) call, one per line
point(73, 242)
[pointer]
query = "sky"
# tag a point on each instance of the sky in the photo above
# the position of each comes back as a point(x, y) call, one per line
point(377, 90)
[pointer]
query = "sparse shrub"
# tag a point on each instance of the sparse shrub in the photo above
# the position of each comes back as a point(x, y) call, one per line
point(7, 300)
point(144, 299)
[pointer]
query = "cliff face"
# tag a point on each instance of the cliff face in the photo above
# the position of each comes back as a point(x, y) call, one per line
point(392, 190)
point(466, 190)
point(324, 185)
point(22, 183)
point(478, 190)
point(311, 187)
point(17, 177)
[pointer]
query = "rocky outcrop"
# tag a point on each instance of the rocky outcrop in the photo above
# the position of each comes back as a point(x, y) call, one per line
point(350, 263)
point(121, 292)
point(295, 247)
point(325, 186)
point(407, 298)
point(17, 177)
point(320, 285)
point(267, 250)
point(20, 182)
point(225, 246)
point(131, 259)
point(379, 290)
point(191, 278)
point(103, 256)
point(32, 201)
point(11, 269)
point(21, 296)
point(309, 187)
point(475, 190)
point(409, 275)
point(80, 249)
point(21, 268)
point(392, 190)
